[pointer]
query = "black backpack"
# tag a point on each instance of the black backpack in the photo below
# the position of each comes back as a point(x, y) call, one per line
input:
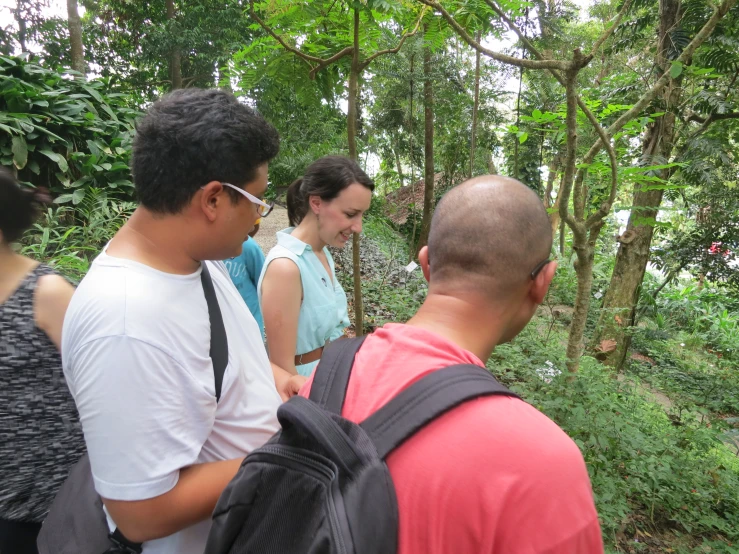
point(320, 485)
point(76, 523)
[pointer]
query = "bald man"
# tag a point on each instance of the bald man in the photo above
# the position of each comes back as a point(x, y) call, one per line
point(494, 475)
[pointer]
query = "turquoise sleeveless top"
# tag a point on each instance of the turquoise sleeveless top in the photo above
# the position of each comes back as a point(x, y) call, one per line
point(323, 312)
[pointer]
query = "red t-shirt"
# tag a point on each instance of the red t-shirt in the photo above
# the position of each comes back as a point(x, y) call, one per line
point(494, 475)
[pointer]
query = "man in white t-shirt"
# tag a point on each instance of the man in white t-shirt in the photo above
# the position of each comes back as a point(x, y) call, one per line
point(136, 337)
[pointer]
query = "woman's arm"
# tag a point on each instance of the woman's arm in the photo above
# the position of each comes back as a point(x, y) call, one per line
point(52, 297)
point(282, 294)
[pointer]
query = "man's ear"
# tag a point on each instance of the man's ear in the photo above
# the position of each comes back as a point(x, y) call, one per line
point(541, 283)
point(210, 195)
point(423, 259)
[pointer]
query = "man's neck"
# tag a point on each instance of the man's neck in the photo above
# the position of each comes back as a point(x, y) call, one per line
point(156, 241)
point(468, 321)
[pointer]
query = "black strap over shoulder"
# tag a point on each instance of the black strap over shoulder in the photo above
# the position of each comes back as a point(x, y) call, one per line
point(427, 399)
point(218, 337)
point(331, 377)
point(409, 411)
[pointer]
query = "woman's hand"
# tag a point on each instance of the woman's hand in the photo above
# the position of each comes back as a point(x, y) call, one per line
point(287, 385)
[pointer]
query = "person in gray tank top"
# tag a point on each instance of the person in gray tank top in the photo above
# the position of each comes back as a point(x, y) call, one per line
point(40, 434)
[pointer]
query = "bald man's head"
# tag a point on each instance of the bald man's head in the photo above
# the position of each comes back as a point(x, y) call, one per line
point(491, 231)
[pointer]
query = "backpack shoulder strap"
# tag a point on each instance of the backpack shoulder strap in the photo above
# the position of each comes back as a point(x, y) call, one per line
point(331, 377)
point(218, 338)
point(427, 399)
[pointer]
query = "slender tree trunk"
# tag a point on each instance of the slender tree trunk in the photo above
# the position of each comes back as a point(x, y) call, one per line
point(412, 212)
point(75, 37)
point(554, 166)
point(619, 304)
point(492, 170)
point(562, 237)
point(428, 148)
point(475, 108)
point(175, 62)
point(351, 128)
point(396, 151)
point(516, 142)
point(21, 21)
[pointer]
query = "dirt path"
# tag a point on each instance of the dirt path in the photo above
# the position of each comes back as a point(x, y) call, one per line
point(275, 221)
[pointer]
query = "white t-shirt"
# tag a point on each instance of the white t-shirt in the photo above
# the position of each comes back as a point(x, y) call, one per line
point(135, 349)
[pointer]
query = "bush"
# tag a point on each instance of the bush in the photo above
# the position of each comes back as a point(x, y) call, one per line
point(68, 135)
point(650, 474)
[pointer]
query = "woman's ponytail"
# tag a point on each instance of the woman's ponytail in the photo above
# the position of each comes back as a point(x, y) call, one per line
point(297, 203)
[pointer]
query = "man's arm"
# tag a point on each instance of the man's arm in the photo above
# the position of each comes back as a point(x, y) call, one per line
point(192, 500)
point(146, 418)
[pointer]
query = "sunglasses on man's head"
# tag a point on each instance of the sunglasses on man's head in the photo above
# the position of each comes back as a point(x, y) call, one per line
point(263, 209)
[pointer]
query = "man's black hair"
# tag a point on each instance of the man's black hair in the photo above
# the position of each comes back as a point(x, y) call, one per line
point(192, 137)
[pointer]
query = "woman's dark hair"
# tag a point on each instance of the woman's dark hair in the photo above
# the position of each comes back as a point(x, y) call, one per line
point(18, 207)
point(191, 137)
point(326, 178)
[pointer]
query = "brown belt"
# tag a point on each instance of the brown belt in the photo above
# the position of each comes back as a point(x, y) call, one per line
point(313, 355)
point(309, 357)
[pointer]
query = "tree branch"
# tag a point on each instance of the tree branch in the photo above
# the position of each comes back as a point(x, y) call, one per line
point(348, 51)
point(307, 58)
point(608, 32)
point(518, 62)
point(278, 38)
point(684, 57)
point(713, 117)
point(569, 173)
point(395, 50)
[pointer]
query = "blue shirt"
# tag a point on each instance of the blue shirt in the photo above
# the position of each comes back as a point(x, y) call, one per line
point(323, 312)
point(244, 271)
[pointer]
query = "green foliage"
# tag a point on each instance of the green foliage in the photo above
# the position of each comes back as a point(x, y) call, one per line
point(68, 135)
point(132, 42)
point(69, 238)
point(649, 474)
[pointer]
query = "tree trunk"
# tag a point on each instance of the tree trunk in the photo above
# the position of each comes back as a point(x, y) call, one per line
point(619, 304)
point(475, 108)
point(21, 21)
point(428, 148)
point(516, 142)
point(492, 170)
point(175, 63)
point(351, 128)
point(75, 37)
point(553, 207)
point(396, 151)
point(584, 271)
point(562, 238)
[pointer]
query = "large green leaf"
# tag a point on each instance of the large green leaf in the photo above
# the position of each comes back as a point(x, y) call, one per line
point(58, 158)
point(20, 152)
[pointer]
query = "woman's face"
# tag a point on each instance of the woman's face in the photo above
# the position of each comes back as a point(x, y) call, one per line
point(342, 216)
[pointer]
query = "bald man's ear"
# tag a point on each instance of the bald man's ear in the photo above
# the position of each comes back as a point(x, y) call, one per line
point(423, 260)
point(541, 283)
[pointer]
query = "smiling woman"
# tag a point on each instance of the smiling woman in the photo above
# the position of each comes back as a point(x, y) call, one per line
point(303, 305)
